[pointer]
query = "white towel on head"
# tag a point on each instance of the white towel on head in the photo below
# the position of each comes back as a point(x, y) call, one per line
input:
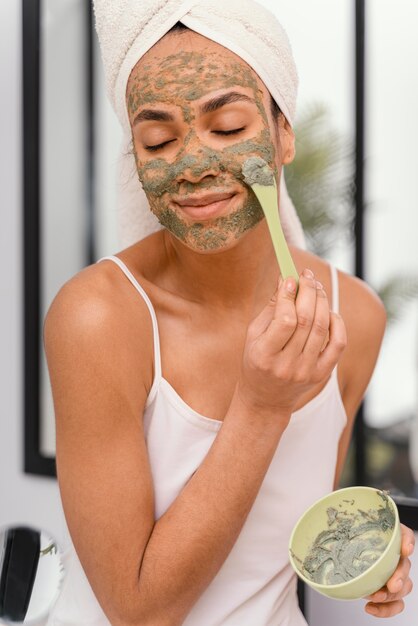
point(127, 29)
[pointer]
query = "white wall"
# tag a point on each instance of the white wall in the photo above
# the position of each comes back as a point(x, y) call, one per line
point(35, 500)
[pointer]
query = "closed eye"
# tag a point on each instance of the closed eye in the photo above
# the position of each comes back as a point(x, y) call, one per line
point(234, 131)
point(158, 146)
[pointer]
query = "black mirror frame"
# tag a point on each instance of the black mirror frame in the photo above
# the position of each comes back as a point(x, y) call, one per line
point(35, 462)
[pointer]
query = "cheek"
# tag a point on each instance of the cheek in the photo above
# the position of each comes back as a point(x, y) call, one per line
point(260, 146)
point(153, 179)
point(157, 176)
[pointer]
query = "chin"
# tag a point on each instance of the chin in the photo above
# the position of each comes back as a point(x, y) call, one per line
point(208, 241)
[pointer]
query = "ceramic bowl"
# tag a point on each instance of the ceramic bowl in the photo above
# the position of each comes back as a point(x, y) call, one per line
point(355, 519)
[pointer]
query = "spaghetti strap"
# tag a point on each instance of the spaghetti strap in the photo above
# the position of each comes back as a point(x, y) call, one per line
point(156, 336)
point(335, 306)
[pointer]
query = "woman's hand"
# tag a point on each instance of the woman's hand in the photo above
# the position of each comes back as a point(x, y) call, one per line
point(388, 602)
point(284, 354)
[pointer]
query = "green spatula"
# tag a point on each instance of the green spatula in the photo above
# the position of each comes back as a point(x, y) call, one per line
point(259, 176)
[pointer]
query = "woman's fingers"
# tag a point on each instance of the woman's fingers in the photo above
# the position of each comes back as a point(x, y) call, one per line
point(305, 307)
point(298, 327)
point(285, 290)
point(407, 541)
point(383, 603)
point(284, 346)
point(260, 324)
point(319, 329)
point(295, 319)
point(389, 609)
point(329, 356)
point(395, 591)
point(283, 323)
point(387, 602)
point(397, 580)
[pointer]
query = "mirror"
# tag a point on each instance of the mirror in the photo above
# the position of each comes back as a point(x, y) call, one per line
point(31, 574)
point(58, 219)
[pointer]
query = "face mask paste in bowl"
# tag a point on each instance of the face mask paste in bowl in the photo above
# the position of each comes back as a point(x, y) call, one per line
point(347, 545)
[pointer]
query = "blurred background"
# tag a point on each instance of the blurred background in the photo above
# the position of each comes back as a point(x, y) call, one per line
point(58, 155)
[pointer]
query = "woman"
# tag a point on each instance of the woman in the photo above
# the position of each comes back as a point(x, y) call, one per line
point(187, 449)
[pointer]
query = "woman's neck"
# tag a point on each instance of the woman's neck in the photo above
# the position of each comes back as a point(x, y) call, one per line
point(236, 278)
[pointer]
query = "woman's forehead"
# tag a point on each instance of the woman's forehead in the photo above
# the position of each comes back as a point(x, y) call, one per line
point(190, 65)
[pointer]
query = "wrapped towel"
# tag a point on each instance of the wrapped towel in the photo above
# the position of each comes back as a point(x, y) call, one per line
point(127, 29)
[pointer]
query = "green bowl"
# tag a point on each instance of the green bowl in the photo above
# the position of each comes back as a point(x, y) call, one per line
point(361, 523)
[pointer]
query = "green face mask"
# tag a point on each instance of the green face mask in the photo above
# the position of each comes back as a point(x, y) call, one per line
point(179, 80)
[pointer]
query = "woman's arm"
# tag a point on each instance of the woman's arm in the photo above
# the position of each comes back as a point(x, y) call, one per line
point(365, 319)
point(99, 352)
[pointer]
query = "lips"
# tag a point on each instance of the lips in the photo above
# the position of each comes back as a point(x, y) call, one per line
point(199, 201)
point(209, 205)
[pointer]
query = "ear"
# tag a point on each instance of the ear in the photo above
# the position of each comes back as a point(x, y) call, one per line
point(287, 141)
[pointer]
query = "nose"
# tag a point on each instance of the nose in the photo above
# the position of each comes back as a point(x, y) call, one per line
point(198, 162)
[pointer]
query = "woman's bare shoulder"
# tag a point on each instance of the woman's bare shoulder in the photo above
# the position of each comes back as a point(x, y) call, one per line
point(360, 304)
point(99, 309)
point(365, 318)
point(98, 292)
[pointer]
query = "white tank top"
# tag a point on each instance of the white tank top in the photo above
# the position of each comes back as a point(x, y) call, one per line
point(255, 585)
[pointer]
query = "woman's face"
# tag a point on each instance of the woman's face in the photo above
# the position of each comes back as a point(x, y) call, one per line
point(197, 112)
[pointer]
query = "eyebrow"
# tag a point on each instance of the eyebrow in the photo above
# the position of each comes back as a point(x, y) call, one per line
point(212, 105)
point(226, 98)
point(153, 114)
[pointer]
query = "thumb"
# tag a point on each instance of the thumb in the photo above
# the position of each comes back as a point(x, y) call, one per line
point(260, 323)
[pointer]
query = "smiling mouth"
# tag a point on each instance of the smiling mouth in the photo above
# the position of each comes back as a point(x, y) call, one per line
point(207, 206)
